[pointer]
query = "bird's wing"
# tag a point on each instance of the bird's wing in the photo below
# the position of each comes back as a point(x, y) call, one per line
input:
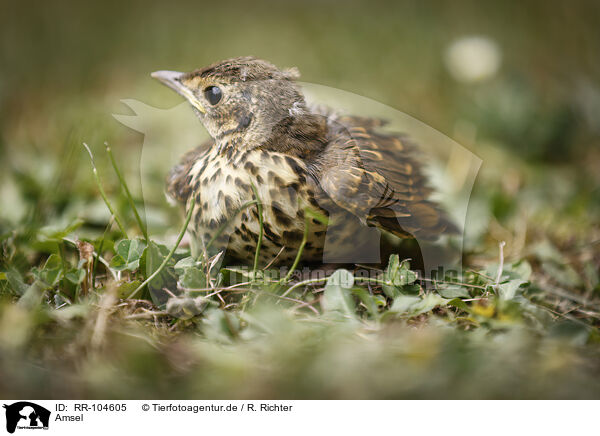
point(377, 177)
point(179, 186)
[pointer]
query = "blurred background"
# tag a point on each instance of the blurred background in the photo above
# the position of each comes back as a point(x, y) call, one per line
point(508, 81)
point(517, 83)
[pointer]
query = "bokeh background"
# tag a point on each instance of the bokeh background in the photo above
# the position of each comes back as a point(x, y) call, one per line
point(517, 83)
point(65, 67)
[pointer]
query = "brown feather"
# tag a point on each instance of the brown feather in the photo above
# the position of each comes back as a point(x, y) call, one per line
point(378, 178)
point(179, 186)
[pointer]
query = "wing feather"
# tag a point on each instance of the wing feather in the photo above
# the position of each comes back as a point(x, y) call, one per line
point(378, 178)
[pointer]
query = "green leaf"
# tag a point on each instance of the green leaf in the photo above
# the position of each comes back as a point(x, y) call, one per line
point(405, 303)
point(453, 291)
point(392, 269)
point(33, 296)
point(396, 276)
point(15, 280)
point(184, 264)
point(508, 290)
point(75, 276)
point(189, 275)
point(337, 296)
point(459, 304)
point(415, 305)
point(70, 312)
point(3, 276)
point(520, 270)
point(125, 289)
point(53, 262)
point(368, 300)
point(52, 271)
point(152, 259)
point(129, 253)
point(193, 278)
point(412, 289)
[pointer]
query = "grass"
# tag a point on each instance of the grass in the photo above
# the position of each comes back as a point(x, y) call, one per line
point(505, 329)
point(519, 321)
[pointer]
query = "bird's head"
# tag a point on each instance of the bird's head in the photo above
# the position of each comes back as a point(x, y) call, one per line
point(241, 100)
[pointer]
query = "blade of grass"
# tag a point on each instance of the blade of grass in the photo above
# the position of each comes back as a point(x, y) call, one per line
point(274, 259)
point(300, 250)
point(171, 253)
point(303, 283)
point(218, 233)
point(500, 265)
point(96, 259)
point(127, 193)
point(103, 194)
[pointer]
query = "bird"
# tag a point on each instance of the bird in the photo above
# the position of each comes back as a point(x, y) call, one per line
point(288, 173)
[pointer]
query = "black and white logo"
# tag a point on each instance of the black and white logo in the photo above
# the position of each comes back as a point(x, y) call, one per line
point(26, 415)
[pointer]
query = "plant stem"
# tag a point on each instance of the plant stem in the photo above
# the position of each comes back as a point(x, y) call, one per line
point(369, 280)
point(500, 266)
point(97, 258)
point(220, 230)
point(304, 282)
point(299, 254)
point(127, 193)
point(103, 194)
point(171, 253)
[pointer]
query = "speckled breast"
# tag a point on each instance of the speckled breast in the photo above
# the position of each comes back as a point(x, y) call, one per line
point(222, 185)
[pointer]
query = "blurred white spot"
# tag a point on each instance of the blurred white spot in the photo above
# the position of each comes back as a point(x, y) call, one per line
point(473, 58)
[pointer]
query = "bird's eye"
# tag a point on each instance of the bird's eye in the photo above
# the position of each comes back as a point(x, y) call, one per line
point(213, 94)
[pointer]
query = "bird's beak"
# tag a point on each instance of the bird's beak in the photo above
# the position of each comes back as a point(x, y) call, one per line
point(173, 80)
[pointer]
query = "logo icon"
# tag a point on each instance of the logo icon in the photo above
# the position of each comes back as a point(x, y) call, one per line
point(26, 415)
